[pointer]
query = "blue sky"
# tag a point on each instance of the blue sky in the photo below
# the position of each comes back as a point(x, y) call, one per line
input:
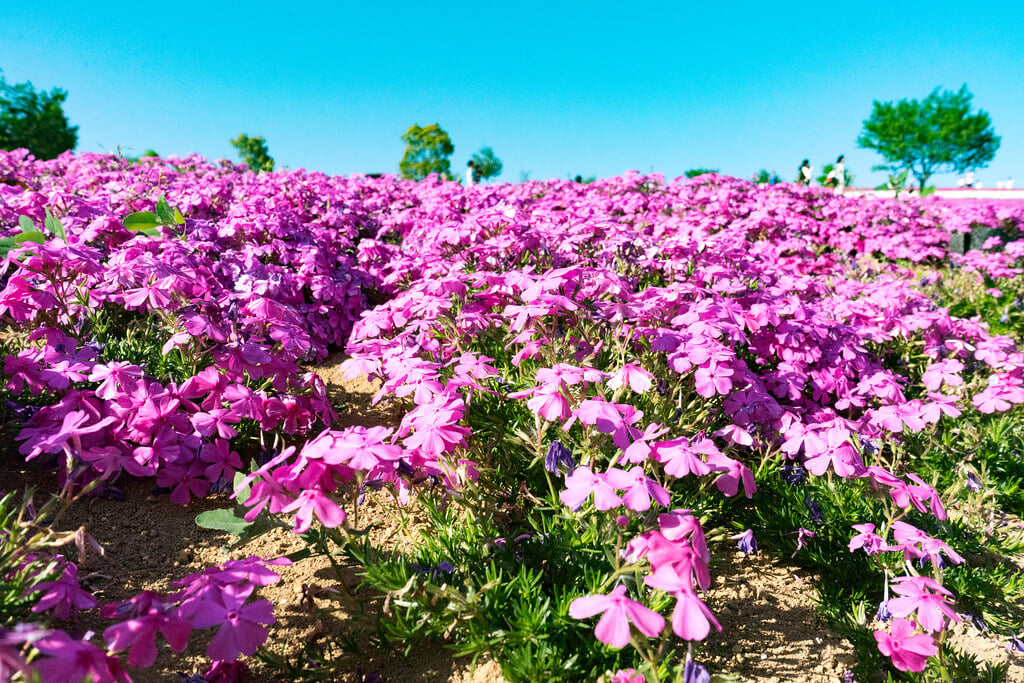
point(555, 88)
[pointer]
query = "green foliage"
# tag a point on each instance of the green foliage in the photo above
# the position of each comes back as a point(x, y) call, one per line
point(896, 181)
point(20, 538)
point(427, 150)
point(253, 152)
point(694, 172)
point(149, 222)
point(487, 165)
point(34, 120)
point(938, 134)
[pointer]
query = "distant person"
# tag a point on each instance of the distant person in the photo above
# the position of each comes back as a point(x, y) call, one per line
point(805, 173)
point(837, 176)
point(472, 174)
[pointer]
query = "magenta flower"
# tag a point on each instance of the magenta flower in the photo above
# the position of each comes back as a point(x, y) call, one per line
point(641, 490)
point(618, 611)
point(868, 540)
point(638, 379)
point(691, 618)
point(73, 661)
point(583, 483)
point(63, 594)
point(925, 596)
point(138, 634)
point(315, 501)
point(241, 631)
point(909, 650)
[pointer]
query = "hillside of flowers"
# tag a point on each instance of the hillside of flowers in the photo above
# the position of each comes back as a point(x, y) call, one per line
point(604, 389)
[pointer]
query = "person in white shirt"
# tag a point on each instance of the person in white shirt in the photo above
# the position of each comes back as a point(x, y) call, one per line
point(805, 173)
point(837, 176)
point(471, 173)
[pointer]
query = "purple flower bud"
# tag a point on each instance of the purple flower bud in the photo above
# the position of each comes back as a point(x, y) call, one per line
point(814, 508)
point(973, 483)
point(558, 455)
point(746, 542)
point(695, 673)
point(883, 612)
point(1015, 645)
point(793, 473)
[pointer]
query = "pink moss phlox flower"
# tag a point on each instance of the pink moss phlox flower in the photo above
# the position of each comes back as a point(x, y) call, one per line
point(549, 402)
point(358, 447)
point(583, 482)
point(564, 375)
point(224, 462)
point(734, 472)
point(926, 597)
point(63, 594)
point(691, 618)
point(72, 661)
point(227, 672)
point(916, 543)
point(681, 523)
point(618, 612)
point(217, 421)
point(608, 418)
point(868, 540)
point(641, 490)
point(240, 629)
point(685, 561)
point(641, 448)
point(835, 449)
point(12, 647)
point(681, 456)
point(187, 480)
point(908, 650)
point(627, 676)
point(634, 376)
point(148, 614)
point(311, 502)
point(944, 372)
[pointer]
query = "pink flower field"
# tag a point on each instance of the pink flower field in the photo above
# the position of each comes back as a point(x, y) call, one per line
point(603, 390)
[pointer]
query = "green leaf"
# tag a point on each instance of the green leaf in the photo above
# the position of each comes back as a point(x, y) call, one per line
point(26, 224)
point(141, 221)
point(6, 244)
point(178, 218)
point(54, 225)
point(223, 520)
point(31, 236)
point(241, 494)
point(164, 213)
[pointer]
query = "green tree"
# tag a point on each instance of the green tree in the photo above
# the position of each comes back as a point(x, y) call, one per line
point(938, 134)
point(694, 172)
point(34, 120)
point(426, 151)
point(253, 152)
point(487, 165)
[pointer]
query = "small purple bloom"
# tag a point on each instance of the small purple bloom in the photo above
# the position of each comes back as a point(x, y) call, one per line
point(695, 673)
point(883, 612)
point(973, 483)
point(558, 455)
point(814, 509)
point(793, 473)
point(1015, 644)
point(746, 542)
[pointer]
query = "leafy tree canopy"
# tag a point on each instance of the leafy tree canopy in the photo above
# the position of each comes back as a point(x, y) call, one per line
point(253, 152)
point(487, 165)
point(694, 172)
point(938, 134)
point(427, 150)
point(34, 120)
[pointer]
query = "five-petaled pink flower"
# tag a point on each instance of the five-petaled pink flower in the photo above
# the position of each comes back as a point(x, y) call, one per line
point(619, 611)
